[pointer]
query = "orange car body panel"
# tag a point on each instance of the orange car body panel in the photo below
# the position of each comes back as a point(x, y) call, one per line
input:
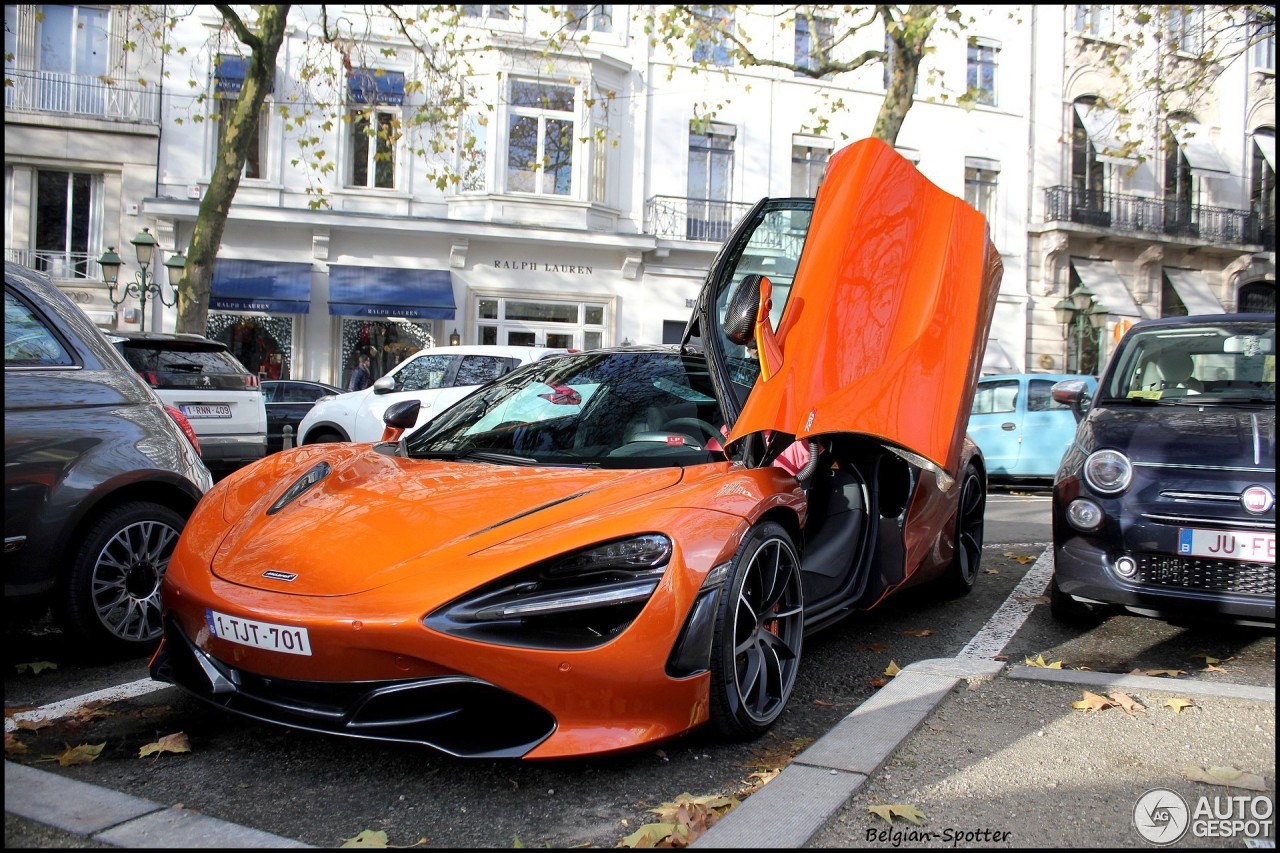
point(879, 339)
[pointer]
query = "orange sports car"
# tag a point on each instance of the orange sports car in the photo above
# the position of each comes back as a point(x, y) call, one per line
point(599, 551)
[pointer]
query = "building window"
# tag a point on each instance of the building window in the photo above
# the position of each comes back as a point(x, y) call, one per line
point(375, 134)
point(1088, 177)
point(982, 71)
point(541, 136)
point(486, 12)
point(712, 45)
point(808, 168)
point(473, 154)
point(1262, 186)
point(74, 40)
point(228, 79)
point(813, 37)
point(1096, 21)
point(710, 178)
point(1185, 29)
point(68, 223)
point(1179, 184)
point(537, 322)
point(1264, 44)
point(981, 178)
point(596, 19)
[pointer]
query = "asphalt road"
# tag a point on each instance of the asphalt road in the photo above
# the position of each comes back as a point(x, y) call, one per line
point(323, 791)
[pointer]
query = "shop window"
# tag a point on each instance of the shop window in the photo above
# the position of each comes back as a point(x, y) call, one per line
point(386, 342)
point(542, 323)
point(263, 344)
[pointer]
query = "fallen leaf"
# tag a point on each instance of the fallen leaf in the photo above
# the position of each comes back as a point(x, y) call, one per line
point(650, 835)
point(892, 669)
point(1092, 702)
point(1215, 668)
point(923, 632)
point(1178, 704)
point(820, 703)
point(1127, 703)
point(892, 810)
point(1039, 663)
point(874, 647)
point(877, 683)
point(992, 571)
point(12, 744)
point(376, 838)
point(1021, 558)
point(35, 668)
point(34, 725)
point(76, 755)
point(176, 742)
point(1034, 599)
point(1228, 777)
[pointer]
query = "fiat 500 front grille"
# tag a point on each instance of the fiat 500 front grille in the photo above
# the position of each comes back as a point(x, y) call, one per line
point(1209, 575)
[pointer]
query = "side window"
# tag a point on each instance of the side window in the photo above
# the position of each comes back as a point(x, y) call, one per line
point(994, 398)
point(28, 342)
point(424, 374)
point(479, 369)
point(1040, 397)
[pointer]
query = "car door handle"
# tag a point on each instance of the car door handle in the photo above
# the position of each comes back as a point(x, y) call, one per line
point(1008, 426)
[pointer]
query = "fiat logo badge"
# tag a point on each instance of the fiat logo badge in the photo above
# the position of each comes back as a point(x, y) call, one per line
point(1257, 499)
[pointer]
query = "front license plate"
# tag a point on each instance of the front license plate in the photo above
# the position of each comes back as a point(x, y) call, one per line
point(1227, 545)
point(206, 411)
point(260, 635)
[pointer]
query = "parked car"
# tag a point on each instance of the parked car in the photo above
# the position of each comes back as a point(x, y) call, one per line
point(1022, 430)
point(1165, 504)
point(202, 379)
point(98, 478)
point(437, 377)
point(593, 552)
point(288, 401)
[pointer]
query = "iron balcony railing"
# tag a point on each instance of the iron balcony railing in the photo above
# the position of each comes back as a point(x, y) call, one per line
point(80, 95)
point(692, 218)
point(1134, 214)
point(57, 264)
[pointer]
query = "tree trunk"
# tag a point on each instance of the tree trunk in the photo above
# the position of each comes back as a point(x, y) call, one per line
point(910, 38)
point(233, 150)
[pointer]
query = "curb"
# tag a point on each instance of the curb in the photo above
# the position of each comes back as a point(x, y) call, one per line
point(120, 820)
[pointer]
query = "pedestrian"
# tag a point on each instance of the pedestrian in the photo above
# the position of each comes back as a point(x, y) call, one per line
point(361, 377)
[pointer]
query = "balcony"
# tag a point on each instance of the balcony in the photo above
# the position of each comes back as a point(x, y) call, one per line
point(53, 92)
point(1139, 215)
point(58, 265)
point(692, 218)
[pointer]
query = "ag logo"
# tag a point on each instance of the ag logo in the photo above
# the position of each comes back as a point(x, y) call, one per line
point(1161, 816)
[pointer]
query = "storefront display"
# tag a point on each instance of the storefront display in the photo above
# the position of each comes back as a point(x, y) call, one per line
point(263, 344)
point(386, 342)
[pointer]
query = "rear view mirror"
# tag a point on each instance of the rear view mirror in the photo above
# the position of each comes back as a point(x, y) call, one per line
point(1248, 345)
point(746, 321)
point(399, 417)
point(1074, 394)
point(385, 385)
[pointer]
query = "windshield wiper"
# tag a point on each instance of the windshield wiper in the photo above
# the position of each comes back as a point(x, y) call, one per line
point(494, 456)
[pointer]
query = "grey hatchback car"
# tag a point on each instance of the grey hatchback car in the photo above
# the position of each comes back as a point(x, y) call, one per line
point(99, 478)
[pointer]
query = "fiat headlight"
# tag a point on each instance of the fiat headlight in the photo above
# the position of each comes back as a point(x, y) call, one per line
point(1108, 472)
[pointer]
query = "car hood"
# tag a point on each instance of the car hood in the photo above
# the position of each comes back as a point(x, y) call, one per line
point(402, 516)
point(1186, 435)
point(886, 322)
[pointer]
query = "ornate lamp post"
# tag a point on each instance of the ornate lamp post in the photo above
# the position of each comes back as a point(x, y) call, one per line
point(144, 285)
point(1080, 315)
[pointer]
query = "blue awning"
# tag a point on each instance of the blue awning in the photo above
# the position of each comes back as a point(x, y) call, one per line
point(388, 292)
point(375, 86)
point(229, 73)
point(275, 287)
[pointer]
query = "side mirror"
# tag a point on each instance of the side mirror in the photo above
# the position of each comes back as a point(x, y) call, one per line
point(384, 385)
point(746, 320)
point(1073, 393)
point(399, 417)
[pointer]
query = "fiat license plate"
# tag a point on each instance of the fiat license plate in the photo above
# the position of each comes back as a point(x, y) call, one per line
point(206, 411)
point(260, 635)
point(1227, 545)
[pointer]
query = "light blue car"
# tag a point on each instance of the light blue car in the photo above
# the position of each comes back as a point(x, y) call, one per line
point(1023, 433)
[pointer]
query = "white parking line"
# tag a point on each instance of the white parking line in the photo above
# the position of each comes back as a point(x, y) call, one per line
point(1005, 622)
point(67, 707)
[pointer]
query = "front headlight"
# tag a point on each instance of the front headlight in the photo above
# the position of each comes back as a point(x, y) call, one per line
point(576, 601)
point(1108, 472)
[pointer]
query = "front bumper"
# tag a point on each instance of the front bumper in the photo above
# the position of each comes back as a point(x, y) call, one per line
point(457, 715)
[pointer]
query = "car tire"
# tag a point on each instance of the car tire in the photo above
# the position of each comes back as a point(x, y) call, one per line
point(962, 572)
point(110, 601)
point(1066, 609)
point(755, 651)
point(324, 436)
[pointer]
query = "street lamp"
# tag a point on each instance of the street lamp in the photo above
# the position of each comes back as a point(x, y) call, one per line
point(1080, 314)
point(455, 339)
point(143, 286)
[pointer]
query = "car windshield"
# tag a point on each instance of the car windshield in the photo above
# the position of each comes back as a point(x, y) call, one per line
point(1209, 362)
point(634, 409)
